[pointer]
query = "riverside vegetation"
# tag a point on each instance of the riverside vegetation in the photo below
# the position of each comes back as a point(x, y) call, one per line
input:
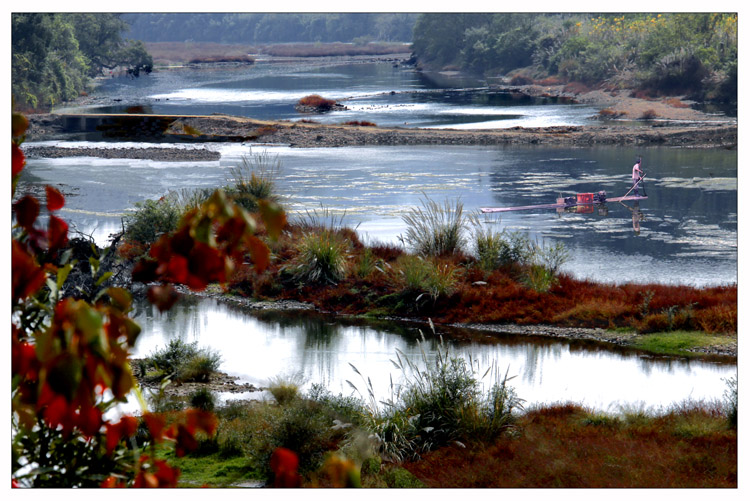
point(446, 413)
point(452, 423)
point(452, 268)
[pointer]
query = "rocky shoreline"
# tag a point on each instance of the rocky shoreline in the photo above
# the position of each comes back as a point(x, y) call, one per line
point(157, 154)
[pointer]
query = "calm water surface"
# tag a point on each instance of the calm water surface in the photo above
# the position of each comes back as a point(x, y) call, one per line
point(258, 347)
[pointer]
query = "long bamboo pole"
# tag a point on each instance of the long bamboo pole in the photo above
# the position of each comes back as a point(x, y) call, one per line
point(633, 187)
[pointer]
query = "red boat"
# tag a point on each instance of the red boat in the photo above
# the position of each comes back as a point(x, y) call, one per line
point(583, 201)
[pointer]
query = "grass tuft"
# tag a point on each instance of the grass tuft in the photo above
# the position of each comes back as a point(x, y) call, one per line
point(434, 229)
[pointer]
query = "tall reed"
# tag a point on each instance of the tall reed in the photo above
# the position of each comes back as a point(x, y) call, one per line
point(435, 229)
point(254, 180)
point(437, 402)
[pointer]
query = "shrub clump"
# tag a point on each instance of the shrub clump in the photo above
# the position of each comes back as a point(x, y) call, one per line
point(442, 403)
point(434, 229)
point(183, 361)
point(151, 219)
point(317, 102)
point(254, 180)
point(322, 258)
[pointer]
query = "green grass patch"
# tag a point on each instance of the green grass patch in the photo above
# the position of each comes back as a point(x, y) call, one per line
point(215, 471)
point(678, 342)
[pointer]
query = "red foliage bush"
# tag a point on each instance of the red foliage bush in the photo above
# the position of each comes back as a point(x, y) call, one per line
point(316, 101)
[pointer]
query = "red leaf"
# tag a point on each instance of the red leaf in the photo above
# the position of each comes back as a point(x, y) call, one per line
point(18, 160)
point(57, 233)
point(89, 421)
point(27, 210)
point(166, 474)
point(155, 424)
point(201, 420)
point(55, 199)
point(260, 253)
point(145, 271)
point(206, 265)
point(174, 270)
point(284, 464)
point(186, 442)
point(56, 412)
point(27, 276)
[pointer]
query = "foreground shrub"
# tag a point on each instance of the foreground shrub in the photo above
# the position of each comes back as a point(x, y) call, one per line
point(434, 229)
point(203, 399)
point(154, 218)
point(438, 404)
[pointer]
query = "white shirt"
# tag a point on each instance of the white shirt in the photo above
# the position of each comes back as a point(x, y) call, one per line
point(636, 172)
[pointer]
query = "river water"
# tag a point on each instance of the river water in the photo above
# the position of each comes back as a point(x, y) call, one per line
point(258, 347)
point(684, 233)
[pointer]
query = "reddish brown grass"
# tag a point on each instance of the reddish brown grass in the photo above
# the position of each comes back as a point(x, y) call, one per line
point(676, 103)
point(316, 101)
point(504, 299)
point(576, 88)
point(360, 123)
point(185, 52)
point(649, 114)
point(552, 80)
point(558, 447)
point(609, 113)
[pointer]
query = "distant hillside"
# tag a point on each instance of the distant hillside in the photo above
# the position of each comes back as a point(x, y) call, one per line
point(270, 28)
point(656, 54)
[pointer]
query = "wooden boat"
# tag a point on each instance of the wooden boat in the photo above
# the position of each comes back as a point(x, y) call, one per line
point(581, 200)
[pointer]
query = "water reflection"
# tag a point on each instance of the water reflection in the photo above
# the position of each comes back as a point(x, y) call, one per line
point(257, 347)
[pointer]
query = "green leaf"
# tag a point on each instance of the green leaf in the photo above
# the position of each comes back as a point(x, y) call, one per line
point(104, 277)
point(62, 274)
point(94, 262)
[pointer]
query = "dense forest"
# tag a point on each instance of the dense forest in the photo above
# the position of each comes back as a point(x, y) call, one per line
point(271, 28)
point(694, 54)
point(55, 55)
point(679, 53)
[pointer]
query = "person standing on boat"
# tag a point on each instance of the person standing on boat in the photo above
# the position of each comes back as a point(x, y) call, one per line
point(637, 175)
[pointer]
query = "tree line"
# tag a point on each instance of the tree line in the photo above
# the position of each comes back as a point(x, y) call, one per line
point(249, 28)
point(670, 53)
point(54, 55)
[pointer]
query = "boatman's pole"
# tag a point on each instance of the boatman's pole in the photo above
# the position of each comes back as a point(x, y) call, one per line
point(633, 187)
